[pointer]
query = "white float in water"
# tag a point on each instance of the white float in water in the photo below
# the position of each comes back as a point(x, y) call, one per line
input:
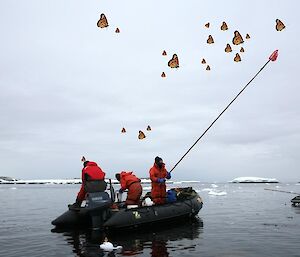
point(108, 246)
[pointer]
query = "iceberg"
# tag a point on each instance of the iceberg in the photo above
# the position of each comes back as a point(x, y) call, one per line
point(254, 180)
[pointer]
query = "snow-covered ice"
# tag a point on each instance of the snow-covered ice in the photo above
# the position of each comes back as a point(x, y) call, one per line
point(254, 180)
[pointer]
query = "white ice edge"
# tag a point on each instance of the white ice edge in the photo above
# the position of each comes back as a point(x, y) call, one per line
point(253, 179)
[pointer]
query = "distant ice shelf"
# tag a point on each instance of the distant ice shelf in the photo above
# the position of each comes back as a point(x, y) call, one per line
point(254, 180)
point(6, 180)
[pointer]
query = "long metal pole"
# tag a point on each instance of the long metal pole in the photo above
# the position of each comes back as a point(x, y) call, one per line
point(271, 58)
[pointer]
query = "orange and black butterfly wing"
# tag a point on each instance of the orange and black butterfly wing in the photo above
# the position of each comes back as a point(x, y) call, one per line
point(237, 58)
point(171, 63)
point(210, 40)
point(102, 23)
point(237, 39)
point(224, 26)
point(228, 48)
point(279, 25)
point(141, 135)
point(174, 62)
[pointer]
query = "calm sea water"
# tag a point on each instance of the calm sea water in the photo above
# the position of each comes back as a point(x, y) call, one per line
point(246, 221)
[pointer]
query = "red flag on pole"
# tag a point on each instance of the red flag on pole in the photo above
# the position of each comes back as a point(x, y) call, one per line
point(274, 56)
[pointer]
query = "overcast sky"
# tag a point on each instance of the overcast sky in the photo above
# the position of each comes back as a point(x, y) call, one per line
point(68, 88)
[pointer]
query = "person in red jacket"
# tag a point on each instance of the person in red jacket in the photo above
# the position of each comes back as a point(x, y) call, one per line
point(129, 181)
point(91, 171)
point(158, 176)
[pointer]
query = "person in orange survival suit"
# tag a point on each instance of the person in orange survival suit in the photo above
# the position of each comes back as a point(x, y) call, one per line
point(158, 176)
point(91, 171)
point(129, 181)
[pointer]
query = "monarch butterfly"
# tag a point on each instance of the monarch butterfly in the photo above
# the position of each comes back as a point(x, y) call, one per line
point(279, 25)
point(228, 48)
point(141, 135)
point(247, 36)
point(242, 50)
point(237, 58)
point(207, 25)
point(117, 30)
point(207, 67)
point(237, 39)
point(174, 62)
point(224, 26)
point(210, 40)
point(148, 128)
point(203, 61)
point(164, 53)
point(123, 130)
point(102, 23)
point(163, 75)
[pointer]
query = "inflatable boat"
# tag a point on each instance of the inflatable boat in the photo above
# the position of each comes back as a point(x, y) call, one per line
point(296, 201)
point(102, 212)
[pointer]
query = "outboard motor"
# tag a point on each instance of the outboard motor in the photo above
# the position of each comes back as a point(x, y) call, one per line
point(97, 202)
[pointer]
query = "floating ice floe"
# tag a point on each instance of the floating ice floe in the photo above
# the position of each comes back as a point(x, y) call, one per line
point(217, 193)
point(186, 182)
point(214, 185)
point(206, 189)
point(254, 180)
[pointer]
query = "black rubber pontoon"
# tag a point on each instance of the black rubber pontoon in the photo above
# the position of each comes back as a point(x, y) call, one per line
point(99, 214)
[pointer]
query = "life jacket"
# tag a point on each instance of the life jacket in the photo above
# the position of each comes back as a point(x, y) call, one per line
point(92, 172)
point(156, 172)
point(158, 190)
point(127, 179)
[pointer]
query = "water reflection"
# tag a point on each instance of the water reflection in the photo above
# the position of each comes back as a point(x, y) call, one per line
point(296, 209)
point(155, 242)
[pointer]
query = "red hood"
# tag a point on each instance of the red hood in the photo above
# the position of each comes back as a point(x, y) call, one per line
point(125, 173)
point(91, 164)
